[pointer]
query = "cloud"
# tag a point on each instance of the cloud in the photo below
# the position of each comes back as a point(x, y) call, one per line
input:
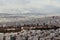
point(30, 6)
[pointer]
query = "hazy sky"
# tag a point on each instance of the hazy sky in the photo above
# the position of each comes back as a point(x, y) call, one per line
point(30, 6)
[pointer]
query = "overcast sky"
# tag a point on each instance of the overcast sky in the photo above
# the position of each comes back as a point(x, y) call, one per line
point(30, 6)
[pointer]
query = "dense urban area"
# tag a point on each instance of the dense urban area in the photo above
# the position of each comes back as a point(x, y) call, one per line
point(47, 28)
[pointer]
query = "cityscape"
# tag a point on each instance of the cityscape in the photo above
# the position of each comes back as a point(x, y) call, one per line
point(29, 19)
